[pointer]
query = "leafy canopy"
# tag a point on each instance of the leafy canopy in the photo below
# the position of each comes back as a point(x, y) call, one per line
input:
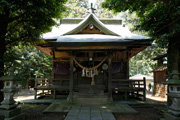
point(25, 20)
point(29, 62)
point(143, 62)
point(75, 8)
point(101, 12)
point(160, 18)
point(78, 9)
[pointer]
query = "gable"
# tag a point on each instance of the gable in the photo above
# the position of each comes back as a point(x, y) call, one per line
point(91, 20)
point(91, 29)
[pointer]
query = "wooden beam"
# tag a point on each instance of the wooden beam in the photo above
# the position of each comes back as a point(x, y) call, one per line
point(92, 47)
point(61, 59)
point(61, 54)
point(87, 58)
point(45, 50)
point(110, 78)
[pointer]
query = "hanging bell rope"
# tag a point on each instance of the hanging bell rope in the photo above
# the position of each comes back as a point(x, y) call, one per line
point(89, 72)
point(92, 82)
point(91, 68)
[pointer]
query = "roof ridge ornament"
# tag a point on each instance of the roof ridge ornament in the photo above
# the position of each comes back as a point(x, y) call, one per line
point(90, 10)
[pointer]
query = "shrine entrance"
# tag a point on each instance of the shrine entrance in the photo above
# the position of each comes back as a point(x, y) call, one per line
point(91, 74)
point(84, 84)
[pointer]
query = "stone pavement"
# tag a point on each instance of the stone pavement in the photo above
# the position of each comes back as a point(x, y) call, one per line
point(115, 107)
point(89, 112)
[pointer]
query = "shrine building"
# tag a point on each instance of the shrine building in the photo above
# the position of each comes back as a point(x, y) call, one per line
point(91, 57)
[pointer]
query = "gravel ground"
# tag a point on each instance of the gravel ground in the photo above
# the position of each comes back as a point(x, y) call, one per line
point(146, 112)
point(34, 112)
point(150, 111)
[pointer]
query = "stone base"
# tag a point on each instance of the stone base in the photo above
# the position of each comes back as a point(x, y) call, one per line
point(90, 99)
point(168, 116)
point(14, 114)
point(7, 107)
point(2, 117)
point(17, 117)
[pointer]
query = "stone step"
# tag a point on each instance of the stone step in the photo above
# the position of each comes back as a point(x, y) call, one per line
point(85, 94)
point(90, 99)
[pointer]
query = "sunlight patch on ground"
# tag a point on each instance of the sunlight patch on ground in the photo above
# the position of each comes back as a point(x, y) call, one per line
point(21, 98)
point(159, 99)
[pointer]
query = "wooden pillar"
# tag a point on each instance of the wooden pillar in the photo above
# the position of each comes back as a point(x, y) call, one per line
point(127, 65)
point(71, 81)
point(53, 55)
point(110, 78)
point(144, 92)
point(127, 69)
point(35, 93)
point(54, 93)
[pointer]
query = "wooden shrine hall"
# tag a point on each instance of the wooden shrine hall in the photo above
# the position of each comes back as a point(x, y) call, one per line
point(91, 59)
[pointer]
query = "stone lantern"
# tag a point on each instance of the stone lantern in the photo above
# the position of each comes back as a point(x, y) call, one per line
point(8, 106)
point(174, 95)
point(9, 90)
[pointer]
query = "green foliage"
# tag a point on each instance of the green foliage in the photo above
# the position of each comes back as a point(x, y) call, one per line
point(75, 8)
point(28, 19)
point(142, 63)
point(159, 18)
point(28, 62)
point(102, 13)
point(78, 9)
point(21, 23)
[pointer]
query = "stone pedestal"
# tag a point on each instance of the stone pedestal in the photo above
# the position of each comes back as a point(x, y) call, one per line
point(174, 95)
point(14, 114)
point(8, 102)
point(8, 107)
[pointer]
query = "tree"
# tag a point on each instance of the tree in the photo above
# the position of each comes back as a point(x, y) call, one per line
point(78, 8)
point(75, 8)
point(142, 63)
point(160, 19)
point(28, 62)
point(23, 21)
point(101, 12)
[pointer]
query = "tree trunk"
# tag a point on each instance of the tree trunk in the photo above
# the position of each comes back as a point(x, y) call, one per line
point(2, 51)
point(173, 55)
point(3, 30)
point(173, 59)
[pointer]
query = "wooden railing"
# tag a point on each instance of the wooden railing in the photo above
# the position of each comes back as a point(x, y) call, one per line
point(48, 87)
point(42, 82)
point(130, 86)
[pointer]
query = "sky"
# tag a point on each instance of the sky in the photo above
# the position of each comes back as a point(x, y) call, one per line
point(116, 16)
point(92, 1)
